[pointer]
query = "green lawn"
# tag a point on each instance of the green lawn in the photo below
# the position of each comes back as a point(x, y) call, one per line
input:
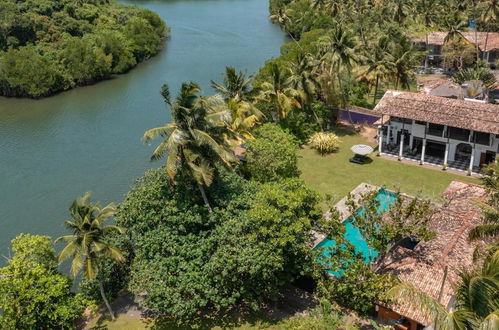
point(334, 175)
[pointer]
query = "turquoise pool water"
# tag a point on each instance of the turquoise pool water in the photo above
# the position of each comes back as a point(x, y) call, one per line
point(386, 199)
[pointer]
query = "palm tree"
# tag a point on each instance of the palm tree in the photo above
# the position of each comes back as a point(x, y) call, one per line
point(428, 11)
point(333, 7)
point(339, 50)
point(406, 55)
point(278, 92)
point(88, 246)
point(477, 302)
point(303, 77)
point(490, 15)
point(245, 116)
point(378, 64)
point(198, 138)
point(490, 210)
point(235, 85)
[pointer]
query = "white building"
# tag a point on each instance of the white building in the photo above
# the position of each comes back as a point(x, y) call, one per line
point(454, 133)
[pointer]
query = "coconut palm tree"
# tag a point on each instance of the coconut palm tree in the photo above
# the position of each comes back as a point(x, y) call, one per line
point(245, 116)
point(198, 138)
point(339, 50)
point(235, 85)
point(279, 93)
point(405, 56)
point(378, 63)
point(303, 77)
point(428, 14)
point(477, 302)
point(490, 16)
point(88, 246)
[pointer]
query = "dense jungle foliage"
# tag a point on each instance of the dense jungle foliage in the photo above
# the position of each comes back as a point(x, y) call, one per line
point(47, 46)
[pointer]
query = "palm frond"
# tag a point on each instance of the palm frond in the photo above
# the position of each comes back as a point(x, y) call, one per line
point(162, 131)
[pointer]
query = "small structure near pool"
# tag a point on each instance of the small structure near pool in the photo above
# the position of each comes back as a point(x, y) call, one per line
point(433, 266)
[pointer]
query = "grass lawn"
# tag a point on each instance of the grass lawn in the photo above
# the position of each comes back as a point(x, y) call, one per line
point(334, 175)
point(124, 322)
point(256, 321)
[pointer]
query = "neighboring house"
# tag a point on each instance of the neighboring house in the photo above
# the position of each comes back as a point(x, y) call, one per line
point(434, 266)
point(488, 44)
point(455, 133)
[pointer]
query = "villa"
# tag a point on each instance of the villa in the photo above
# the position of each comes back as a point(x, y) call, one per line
point(434, 266)
point(462, 134)
point(488, 45)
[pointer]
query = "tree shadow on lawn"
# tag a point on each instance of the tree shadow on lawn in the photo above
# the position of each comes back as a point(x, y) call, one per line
point(343, 130)
point(224, 321)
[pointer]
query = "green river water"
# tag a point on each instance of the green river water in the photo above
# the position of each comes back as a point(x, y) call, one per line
point(88, 139)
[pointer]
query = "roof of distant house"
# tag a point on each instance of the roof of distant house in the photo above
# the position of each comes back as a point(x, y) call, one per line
point(424, 267)
point(487, 41)
point(477, 116)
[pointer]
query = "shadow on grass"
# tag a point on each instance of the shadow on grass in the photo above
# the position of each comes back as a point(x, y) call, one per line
point(343, 130)
point(224, 321)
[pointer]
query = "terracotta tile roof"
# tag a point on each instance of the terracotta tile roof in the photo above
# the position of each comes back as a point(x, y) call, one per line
point(437, 38)
point(424, 266)
point(482, 117)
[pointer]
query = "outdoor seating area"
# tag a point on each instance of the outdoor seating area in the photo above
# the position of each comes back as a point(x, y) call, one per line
point(458, 164)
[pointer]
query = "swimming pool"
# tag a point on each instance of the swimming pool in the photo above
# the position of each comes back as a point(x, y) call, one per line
point(386, 199)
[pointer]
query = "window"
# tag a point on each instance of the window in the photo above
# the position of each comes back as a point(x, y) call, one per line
point(458, 133)
point(419, 122)
point(482, 138)
point(435, 129)
point(401, 120)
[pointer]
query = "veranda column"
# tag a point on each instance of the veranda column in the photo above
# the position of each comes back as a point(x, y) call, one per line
point(447, 147)
point(380, 138)
point(401, 150)
point(423, 151)
point(446, 155)
point(402, 136)
point(472, 159)
point(388, 134)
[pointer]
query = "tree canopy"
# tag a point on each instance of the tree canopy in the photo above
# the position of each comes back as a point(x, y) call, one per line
point(47, 46)
point(190, 261)
point(33, 294)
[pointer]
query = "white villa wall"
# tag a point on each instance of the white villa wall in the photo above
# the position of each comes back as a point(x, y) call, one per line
point(417, 130)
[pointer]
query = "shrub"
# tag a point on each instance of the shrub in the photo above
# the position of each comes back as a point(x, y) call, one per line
point(272, 155)
point(325, 142)
point(482, 74)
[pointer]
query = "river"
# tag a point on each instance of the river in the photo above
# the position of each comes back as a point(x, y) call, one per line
point(88, 139)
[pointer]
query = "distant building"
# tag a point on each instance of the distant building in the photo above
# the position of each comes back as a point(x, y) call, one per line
point(458, 133)
point(488, 44)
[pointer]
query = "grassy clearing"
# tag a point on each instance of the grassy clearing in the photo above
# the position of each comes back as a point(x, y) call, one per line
point(334, 175)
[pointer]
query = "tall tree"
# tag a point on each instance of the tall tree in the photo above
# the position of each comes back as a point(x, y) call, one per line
point(489, 16)
point(378, 63)
point(33, 294)
point(279, 93)
point(235, 85)
point(303, 77)
point(88, 246)
point(197, 139)
point(339, 50)
point(428, 13)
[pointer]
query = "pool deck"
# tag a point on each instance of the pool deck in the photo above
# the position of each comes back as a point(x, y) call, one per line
point(342, 207)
